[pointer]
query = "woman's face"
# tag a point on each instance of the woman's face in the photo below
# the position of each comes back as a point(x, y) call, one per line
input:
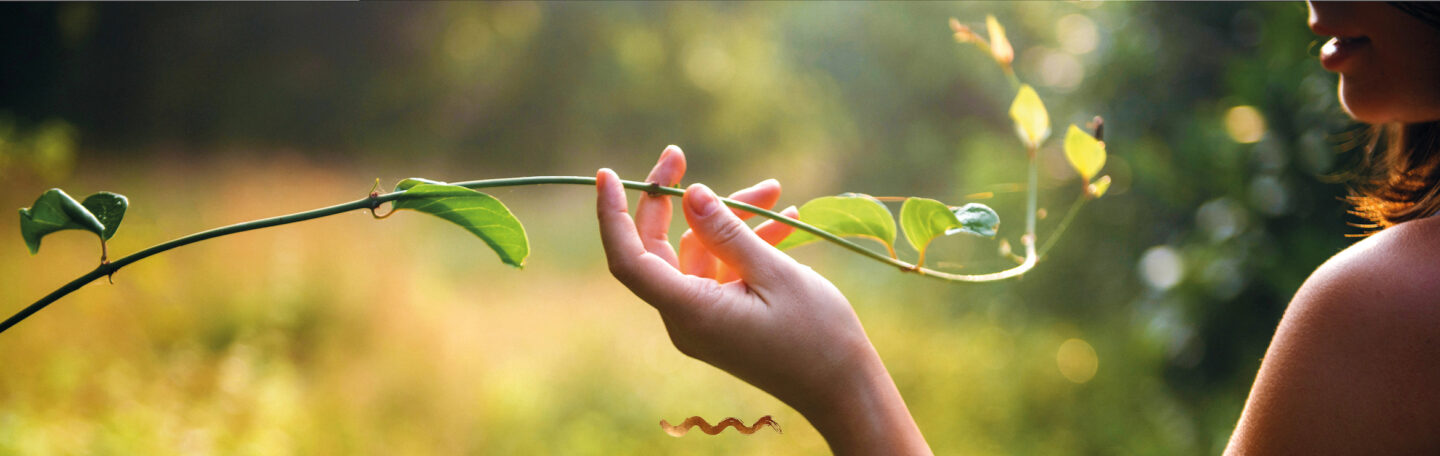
point(1388, 60)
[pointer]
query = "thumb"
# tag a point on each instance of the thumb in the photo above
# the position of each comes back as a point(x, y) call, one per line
point(730, 240)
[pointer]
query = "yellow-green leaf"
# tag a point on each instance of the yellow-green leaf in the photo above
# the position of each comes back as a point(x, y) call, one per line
point(845, 216)
point(925, 219)
point(1085, 153)
point(1098, 188)
point(480, 214)
point(1032, 123)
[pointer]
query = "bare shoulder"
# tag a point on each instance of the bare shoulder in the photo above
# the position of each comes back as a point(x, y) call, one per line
point(1380, 297)
point(1398, 266)
point(1354, 361)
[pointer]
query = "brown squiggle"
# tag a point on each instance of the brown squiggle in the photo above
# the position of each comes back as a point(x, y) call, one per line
point(712, 430)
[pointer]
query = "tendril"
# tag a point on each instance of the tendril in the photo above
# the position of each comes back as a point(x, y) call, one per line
point(705, 427)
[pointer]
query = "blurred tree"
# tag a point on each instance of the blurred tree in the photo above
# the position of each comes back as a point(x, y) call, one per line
point(1220, 125)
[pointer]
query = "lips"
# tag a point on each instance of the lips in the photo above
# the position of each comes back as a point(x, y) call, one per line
point(1341, 49)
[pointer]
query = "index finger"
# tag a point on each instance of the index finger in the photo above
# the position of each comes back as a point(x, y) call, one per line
point(647, 275)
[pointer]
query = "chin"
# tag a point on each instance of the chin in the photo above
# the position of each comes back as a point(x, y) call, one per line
point(1363, 107)
point(1379, 105)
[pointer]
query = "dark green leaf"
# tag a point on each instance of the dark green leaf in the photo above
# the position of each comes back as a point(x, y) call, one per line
point(109, 208)
point(845, 215)
point(55, 211)
point(977, 219)
point(480, 214)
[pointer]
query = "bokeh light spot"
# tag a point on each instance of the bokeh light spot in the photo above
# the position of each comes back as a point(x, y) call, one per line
point(516, 21)
point(1077, 360)
point(1269, 195)
point(1161, 267)
point(1059, 71)
point(1077, 34)
point(1221, 218)
point(1245, 124)
point(54, 146)
point(467, 40)
point(708, 65)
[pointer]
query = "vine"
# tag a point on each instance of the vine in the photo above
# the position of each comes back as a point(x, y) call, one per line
point(830, 218)
point(695, 421)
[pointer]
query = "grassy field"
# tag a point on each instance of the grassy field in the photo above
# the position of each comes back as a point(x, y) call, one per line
point(348, 335)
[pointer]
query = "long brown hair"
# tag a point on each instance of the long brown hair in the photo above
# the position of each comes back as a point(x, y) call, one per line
point(1399, 175)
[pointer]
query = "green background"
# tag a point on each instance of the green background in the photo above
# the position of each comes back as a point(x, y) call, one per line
point(406, 336)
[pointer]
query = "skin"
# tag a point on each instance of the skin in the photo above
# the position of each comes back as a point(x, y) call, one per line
point(1353, 365)
point(1394, 78)
point(1352, 368)
point(779, 326)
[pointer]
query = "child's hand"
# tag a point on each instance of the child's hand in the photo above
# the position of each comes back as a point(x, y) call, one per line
point(781, 326)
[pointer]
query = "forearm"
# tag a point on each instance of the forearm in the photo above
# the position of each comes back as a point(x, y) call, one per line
point(862, 412)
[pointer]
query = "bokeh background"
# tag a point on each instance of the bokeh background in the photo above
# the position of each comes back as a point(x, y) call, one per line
point(348, 335)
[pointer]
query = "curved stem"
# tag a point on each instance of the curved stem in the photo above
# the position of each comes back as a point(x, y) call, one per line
point(1028, 240)
point(107, 269)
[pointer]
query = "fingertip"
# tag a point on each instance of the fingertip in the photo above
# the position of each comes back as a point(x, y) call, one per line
point(700, 201)
point(791, 212)
point(673, 152)
point(609, 195)
point(678, 157)
point(669, 168)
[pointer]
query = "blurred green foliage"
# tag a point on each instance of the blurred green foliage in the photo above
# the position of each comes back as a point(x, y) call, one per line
point(347, 335)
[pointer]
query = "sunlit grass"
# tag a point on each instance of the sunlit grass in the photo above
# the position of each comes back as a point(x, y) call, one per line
point(407, 336)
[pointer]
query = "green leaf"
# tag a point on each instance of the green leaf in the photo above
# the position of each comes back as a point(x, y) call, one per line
point(480, 214)
point(845, 216)
point(109, 208)
point(55, 211)
point(1085, 153)
point(977, 219)
point(1032, 123)
point(925, 219)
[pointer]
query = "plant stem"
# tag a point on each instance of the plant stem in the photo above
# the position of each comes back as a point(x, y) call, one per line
point(1028, 240)
point(1064, 223)
point(106, 269)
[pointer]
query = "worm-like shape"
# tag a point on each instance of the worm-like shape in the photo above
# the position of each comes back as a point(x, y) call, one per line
point(705, 427)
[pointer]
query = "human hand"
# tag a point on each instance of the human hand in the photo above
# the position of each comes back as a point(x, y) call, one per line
point(780, 326)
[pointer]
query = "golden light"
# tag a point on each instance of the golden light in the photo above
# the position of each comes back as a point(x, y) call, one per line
point(1077, 34)
point(1245, 124)
point(1077, 360)
point(709, 65)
